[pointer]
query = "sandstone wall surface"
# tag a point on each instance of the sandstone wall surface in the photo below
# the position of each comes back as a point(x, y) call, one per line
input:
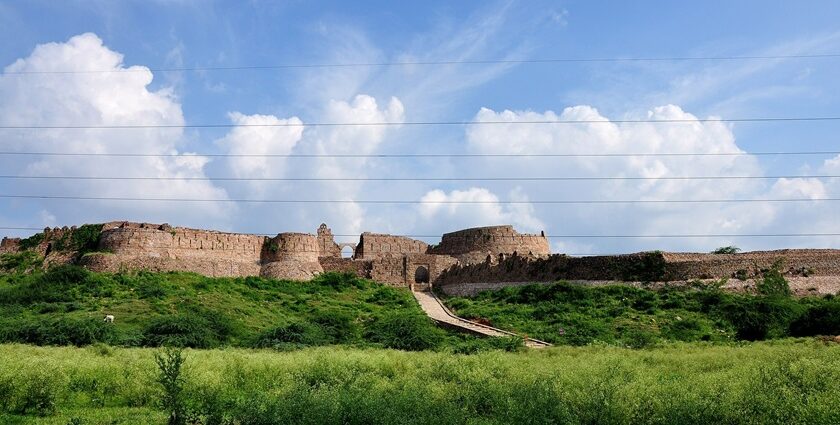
point(128, 246)
point(474, 245)
point(374, 245)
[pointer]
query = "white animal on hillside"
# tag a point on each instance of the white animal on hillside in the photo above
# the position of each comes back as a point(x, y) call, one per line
point(109, 318)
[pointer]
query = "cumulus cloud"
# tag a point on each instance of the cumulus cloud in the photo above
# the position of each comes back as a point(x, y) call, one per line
point(598, 135)
point(478, 206)
point(120, 97)
point(260, 135)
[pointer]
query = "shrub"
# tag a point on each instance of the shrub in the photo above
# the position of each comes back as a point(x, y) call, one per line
point(404, 330)
point(650, 267)
point(731, 249)
point(337, 326)
point(169, 363)
point(32, 241)
point(773, 284)
point(338, 281)
point(20, 262)
point(57, 331)
point(181, 330)
point(822, 319)
point(291, 335)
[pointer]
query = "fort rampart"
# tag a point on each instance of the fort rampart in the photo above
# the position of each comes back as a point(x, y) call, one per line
point(470, 258)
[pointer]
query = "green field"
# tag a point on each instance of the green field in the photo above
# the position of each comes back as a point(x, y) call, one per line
point(340, 349)
point(66, 305)
point(783, 382)
point(568, 314)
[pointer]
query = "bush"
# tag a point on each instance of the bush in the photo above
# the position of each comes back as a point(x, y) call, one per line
point(760, 318)
point(292, 335)
point(773, 284)
point(403, 330)
point(337, 326)
point(20, 262)
point(57, 331)
point(181, 330)
point(823, 319)
point(731, 249)
point(32, 241)
point(169, 363)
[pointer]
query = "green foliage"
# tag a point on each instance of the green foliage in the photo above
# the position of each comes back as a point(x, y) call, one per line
point(564, 313)
point(651, 267)
point(57, 331)
point(169, 363)
point(32, 241)
point(773, 283)
point(731, 249)
point(85, 238)
point(405, 331)
point(780, 382)
point(292, 335)
point(20, 262)
point(820, 319)
point(194, 327)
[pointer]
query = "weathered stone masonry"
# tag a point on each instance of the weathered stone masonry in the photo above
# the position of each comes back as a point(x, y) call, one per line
point(463, 259)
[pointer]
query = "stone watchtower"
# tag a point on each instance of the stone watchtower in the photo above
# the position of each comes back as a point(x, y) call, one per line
point(326, 243)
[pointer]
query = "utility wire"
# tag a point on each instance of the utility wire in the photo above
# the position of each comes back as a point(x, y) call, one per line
point(421, 155)
point(414, 123)
point(427, 63)
point(571, 236)
point(399, 202)
point(396, 179)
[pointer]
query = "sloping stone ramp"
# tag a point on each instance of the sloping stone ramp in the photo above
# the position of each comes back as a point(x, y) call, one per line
point(438, 312)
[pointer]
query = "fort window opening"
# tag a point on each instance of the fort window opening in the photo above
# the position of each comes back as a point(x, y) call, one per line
point(347, 251)
point(421, 275)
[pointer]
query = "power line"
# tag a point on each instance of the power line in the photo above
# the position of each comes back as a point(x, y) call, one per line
point(423, 155)
point(571, 236)
point(400, 202)
point(394, 179)
point(426, 63)
point(414, 123)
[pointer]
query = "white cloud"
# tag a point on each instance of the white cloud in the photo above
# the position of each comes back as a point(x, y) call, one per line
point(268, 136)
point(121, 97)
point(600, 136)
point(477, 206)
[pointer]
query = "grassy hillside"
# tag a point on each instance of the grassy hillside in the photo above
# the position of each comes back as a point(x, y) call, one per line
point(572, 314)
point(780, 382)
point(65, 305)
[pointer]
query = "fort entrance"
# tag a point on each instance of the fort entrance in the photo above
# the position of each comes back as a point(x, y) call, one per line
point(421, 274)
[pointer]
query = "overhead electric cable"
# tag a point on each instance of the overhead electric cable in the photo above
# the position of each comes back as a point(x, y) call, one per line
point(391, 179)
point(420, 155)
point(135, 69)
point(413, 123)
point(426, 202)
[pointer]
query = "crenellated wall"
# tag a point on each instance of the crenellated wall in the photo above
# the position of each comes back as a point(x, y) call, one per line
point(375, 245)
point(126, 246)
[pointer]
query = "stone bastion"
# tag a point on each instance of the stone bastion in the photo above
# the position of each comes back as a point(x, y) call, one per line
point(468, 259)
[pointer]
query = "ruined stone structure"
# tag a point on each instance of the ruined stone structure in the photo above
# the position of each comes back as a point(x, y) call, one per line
point(390, 259)
point(470, 258)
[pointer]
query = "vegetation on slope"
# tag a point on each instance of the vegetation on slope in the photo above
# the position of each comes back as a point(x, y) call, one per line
point(563, 313)
point(780, 382)
point(65, 305)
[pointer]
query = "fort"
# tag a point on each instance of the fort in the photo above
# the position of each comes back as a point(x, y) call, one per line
point(464, 261)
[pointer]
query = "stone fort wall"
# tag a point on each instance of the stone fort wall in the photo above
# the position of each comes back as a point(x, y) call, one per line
point(652, 266)
point(125, 246)
point(376, 245)
point(474, 245)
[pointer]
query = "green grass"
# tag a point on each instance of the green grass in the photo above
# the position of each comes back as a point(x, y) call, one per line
point(783, 382)
point(563, 313)
point(65, 305)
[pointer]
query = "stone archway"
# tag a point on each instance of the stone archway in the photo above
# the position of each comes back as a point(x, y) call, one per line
point(343, 245)
point(421, 274)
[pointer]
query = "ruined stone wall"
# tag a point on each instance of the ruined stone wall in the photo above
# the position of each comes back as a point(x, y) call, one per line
point(402, 270)
point(292, 256)
point(326, 243)
point(127, 246)
point(360, 268)
point(8, 245)
point(474, 245)
point(650, 266)
point(373, 245)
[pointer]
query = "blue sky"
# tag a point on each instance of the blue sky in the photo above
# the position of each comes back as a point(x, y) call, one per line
point(175, 34)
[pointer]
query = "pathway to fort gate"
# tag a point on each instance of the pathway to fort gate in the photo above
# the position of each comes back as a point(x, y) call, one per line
point(438, 312)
